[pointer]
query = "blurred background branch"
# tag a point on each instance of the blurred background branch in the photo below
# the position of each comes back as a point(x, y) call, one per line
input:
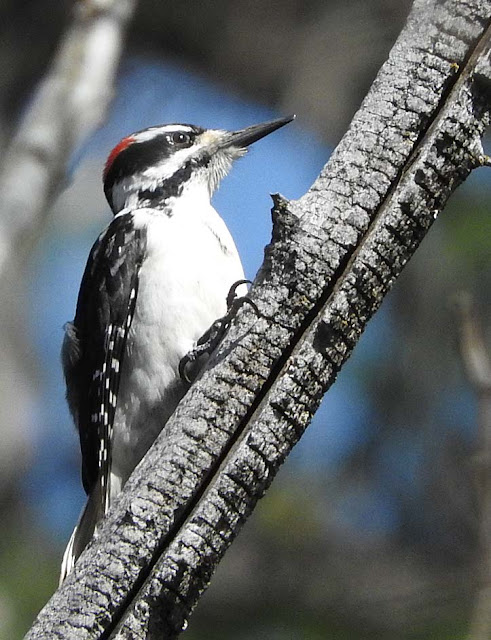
point(69, 103)
point(477, 364)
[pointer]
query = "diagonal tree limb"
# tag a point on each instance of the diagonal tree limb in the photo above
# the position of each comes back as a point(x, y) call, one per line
point(68, 105)
point(333, 256)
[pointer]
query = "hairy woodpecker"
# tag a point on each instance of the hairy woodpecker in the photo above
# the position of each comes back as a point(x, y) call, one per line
point(155, 280)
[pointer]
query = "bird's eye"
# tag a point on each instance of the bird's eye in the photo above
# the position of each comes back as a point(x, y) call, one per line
point(179, 138)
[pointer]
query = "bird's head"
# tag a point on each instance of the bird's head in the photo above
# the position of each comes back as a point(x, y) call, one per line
point(153, 166)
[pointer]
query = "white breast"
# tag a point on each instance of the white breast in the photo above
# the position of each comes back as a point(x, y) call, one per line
point(190, 264)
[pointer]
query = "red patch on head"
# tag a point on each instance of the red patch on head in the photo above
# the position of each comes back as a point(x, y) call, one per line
point(121, 146)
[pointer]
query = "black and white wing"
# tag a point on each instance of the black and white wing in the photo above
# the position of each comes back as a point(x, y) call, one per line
point(95, 344)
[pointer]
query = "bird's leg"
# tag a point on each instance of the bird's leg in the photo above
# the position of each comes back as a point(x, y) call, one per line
point(210, 339)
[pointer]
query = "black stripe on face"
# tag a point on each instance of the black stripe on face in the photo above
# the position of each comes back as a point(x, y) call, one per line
point(138, 156)
point(172, 187)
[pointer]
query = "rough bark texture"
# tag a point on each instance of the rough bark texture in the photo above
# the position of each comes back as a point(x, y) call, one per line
point(334, 255)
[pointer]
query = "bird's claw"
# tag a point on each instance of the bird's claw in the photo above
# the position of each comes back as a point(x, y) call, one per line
point(205, 345)
point(231, 295)
point(210, 339)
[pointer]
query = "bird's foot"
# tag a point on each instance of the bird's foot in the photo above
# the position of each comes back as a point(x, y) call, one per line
point(210, 339)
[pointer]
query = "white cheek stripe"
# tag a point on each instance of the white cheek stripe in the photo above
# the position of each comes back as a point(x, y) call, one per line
point(168, 167)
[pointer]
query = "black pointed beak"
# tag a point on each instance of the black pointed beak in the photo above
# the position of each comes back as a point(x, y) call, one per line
point(245, 137)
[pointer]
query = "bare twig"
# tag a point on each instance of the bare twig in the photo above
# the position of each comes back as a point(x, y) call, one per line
point(333, 257)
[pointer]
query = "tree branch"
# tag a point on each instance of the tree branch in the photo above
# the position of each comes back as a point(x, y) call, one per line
point(333, 256)
point(69, 103)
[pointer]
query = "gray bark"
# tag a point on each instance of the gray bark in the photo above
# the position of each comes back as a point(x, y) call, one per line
point(334, 254)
